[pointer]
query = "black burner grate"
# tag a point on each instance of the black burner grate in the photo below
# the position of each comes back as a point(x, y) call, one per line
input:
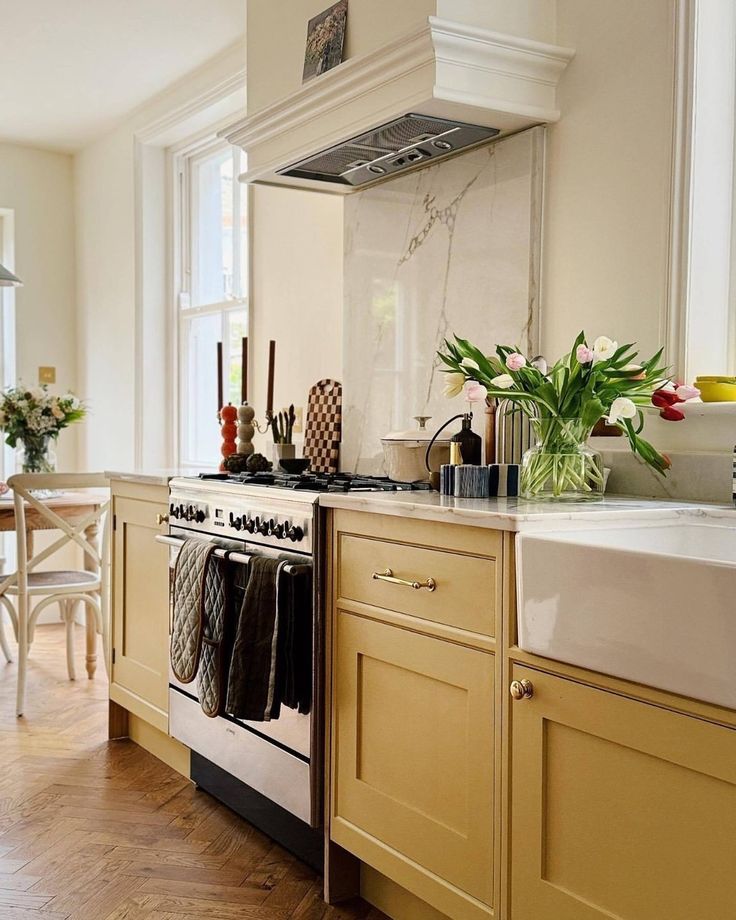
point(319, 482)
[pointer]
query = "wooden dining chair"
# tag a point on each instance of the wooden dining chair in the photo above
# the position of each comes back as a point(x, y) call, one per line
point(65, 587)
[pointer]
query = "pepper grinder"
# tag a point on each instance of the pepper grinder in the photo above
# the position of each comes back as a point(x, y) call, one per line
point(228, 430)
point(246, 429)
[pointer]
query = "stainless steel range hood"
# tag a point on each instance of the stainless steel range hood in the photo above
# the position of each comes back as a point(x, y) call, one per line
point(444, 87)
point(406, 143)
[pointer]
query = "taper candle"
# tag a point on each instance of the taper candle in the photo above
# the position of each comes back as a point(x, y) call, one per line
point(244, 370)
point(220, 399)
point(271, 368)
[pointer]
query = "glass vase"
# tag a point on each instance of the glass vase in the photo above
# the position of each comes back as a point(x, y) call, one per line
point(561, 466)
point(37, 455)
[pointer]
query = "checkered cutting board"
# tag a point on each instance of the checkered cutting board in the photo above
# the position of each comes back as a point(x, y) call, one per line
point(323, 431)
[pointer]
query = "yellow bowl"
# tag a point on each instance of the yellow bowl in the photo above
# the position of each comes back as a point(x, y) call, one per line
point(717, 389)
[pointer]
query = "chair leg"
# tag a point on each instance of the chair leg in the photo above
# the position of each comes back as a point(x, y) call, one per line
point(4, 640)
point(69, 609)
point(22, 654)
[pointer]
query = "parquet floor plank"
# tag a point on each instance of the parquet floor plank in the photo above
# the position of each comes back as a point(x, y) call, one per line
point(98, 830)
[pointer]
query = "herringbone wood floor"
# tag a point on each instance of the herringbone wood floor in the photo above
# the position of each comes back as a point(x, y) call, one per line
point(98, 830)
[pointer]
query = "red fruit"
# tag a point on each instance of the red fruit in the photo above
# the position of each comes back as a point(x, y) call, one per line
point(671, 414)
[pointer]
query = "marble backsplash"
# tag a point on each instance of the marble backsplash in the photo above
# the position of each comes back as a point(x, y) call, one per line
point(449, 249)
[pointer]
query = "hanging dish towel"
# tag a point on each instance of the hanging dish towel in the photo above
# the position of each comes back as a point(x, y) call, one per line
point(188, 597)
point(294, 667)
point(252, 692)
point(323, 431)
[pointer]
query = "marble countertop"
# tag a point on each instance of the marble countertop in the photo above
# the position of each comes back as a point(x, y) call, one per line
point(515, 514)
point(155, 477)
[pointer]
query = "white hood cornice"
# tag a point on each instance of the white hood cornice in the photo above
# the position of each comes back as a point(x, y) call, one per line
point(443, 69)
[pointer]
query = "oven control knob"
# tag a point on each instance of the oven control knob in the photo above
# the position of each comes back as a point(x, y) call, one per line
point(189, 514)
point(250, 525)
point(295, 534)
point(264, 527)
point(277, 530)
point(200, 516)
point(238, 523)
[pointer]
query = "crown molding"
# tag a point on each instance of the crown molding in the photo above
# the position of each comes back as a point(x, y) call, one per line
point(442, 68)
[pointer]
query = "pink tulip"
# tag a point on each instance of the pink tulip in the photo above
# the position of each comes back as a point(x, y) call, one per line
point(515, 361)
point(475, 392)
point(687, 392)
point(584, 354)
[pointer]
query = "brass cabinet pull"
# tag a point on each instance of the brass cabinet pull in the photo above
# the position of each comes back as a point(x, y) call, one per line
point(161, 519)
point(387, 575)
point(521, 690)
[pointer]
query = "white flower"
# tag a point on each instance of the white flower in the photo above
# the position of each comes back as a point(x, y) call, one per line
point(470, 364)
point(57, 412)
point(454, 383)
point(621, 408)
point(603, 349)
point(38, 393)
point(503, 382)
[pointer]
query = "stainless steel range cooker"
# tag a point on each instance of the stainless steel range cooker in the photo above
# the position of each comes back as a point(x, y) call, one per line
point(269, 772)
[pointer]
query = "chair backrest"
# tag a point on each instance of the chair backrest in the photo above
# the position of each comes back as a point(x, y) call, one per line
point(30, 509)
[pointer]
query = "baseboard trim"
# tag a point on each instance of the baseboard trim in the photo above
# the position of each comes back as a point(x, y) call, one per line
point(392, 899)
point(156, 742)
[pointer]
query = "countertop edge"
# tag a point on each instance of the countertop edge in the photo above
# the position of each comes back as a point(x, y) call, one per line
point(514, 516)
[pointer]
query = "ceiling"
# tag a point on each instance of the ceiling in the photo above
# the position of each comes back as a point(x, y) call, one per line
point(70, 70)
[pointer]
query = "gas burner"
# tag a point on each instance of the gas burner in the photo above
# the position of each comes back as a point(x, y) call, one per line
point(318, 482)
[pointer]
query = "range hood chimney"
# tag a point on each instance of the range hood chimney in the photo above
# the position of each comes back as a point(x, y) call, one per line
point(443, 88)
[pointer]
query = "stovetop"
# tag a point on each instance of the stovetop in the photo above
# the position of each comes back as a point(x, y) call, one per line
point(317, 482)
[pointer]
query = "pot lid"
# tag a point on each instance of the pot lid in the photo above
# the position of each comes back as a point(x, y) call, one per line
point(419, 434)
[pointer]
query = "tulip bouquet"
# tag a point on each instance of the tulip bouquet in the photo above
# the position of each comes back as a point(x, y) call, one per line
point(564, 402)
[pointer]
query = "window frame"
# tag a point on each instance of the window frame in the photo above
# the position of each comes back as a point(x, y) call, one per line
point(183, 162)
point(700, 322)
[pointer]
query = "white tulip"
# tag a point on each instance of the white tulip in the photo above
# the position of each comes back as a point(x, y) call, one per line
point(621, 408)
point(503, 382)
point(603, 349)
point(454, 384)
point(470, 364)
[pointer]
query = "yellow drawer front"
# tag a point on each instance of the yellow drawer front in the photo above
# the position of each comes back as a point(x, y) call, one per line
point(465, 586)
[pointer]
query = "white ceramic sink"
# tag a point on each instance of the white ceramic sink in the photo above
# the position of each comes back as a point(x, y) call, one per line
point(653, 604)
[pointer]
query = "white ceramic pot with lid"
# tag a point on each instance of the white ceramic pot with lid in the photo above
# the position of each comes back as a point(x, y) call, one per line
point(404, 452)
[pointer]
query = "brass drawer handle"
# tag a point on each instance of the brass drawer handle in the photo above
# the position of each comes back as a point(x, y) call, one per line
point(161, 519)
point(387, 575)
point(521, 690)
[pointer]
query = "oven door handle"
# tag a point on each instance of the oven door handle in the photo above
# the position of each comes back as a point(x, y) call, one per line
point(234, 556)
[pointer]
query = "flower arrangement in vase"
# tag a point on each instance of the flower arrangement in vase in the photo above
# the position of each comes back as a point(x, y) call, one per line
point(34, 418)
point(565, 401)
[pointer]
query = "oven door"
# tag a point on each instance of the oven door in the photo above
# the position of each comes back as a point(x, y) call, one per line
point(272, 757)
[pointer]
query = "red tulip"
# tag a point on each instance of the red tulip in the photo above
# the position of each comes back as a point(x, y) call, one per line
point(671, 414)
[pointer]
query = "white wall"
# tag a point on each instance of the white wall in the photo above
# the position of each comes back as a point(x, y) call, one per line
point(606, 228)
point(38, 186)
point(296, 290)
point(108, 285)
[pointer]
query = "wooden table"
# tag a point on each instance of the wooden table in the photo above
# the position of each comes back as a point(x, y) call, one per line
point(72, 507)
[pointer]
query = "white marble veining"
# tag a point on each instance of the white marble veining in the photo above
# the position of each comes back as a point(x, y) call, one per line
point(514, 514)
point(449, 249)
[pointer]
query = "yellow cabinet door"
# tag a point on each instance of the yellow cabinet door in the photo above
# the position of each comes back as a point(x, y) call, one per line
point(140, 670)
point(619, 810)
point(413, 761)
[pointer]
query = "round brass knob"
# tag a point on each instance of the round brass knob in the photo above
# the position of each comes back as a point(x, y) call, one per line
point(521, 690)
point(161, 519)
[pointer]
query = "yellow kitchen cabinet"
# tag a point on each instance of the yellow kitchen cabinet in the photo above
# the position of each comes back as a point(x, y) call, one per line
point(413, 728)
point(619, 808)
point(140, 608)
